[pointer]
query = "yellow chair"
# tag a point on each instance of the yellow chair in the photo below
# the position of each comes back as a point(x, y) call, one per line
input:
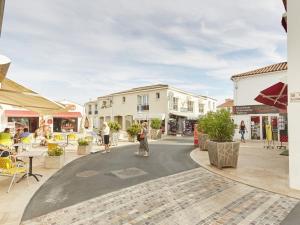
point(27, 142)
point(6, 140)
point(8, 168)
point(72, 137)
point(58, 137)
point(52, 146)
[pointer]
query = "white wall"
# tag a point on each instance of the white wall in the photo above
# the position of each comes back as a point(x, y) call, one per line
point(294, 86)
point(246, 89)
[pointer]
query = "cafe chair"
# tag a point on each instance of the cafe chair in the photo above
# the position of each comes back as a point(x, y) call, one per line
point(11, 169)
point(26, 142)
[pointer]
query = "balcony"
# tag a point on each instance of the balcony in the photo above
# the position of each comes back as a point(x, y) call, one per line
point(141, 108)
point(96, 112)
point(90, 112)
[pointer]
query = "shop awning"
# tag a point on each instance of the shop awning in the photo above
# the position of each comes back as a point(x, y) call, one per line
point(276, 96)
point(12, 93)
point(20, 113)
point(68, 115)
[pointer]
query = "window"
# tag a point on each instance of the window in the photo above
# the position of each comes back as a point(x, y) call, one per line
point(157, 95)
point(201, 108)
point(123, 99)
point(175, 103)
point(142, 103)
point(90, 109)
point(103, 104)
point(96, 108)
point(190, 106)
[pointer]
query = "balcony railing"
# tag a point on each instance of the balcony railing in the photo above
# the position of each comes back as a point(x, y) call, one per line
point(142, 108)
point(96, 112)
point(90, 112)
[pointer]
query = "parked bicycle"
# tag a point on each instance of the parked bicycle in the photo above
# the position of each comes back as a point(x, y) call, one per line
point(99, 138)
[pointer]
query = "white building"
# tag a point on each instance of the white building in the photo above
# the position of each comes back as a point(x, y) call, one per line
point(294, 91)
point(246, 87)
point(161, 101)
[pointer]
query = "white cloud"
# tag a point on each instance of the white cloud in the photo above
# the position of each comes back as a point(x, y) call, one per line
point(101, 46)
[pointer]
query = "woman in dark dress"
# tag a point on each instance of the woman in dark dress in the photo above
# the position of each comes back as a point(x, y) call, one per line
point(242, 131)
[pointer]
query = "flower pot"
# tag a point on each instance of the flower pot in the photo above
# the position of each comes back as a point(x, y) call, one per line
point(155, 134)
point(131, 138)
point(114, 138)
point(203, 139)
point(84, 149)
point(54, 162)
point(223, 154)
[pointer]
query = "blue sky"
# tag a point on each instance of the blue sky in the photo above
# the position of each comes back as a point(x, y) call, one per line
point(78, 50)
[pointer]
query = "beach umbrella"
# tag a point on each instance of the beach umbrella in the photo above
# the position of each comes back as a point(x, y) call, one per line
point(275, 95)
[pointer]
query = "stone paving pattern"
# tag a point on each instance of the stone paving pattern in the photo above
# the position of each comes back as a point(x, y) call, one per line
point(194, 197)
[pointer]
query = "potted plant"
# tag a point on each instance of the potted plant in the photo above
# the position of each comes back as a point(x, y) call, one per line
point(222, 150)
point(155, 132)
point(54, 158)
point(202, 135)
point(132, 132)
point(84, 146)
point(114, 130)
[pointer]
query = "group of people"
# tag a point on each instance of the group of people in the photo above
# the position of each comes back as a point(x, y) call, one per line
point(142, 137)
point(7, 139)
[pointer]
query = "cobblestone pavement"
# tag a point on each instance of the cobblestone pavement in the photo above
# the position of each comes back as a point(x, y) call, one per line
point(193, 197)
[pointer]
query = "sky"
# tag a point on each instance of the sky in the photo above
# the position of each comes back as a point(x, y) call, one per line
point(80, 50)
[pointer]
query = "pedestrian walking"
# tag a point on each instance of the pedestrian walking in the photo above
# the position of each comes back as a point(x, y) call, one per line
point(106, 132)
point(243, 131)
point(143, 148)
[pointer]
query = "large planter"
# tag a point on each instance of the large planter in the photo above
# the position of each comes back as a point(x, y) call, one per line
point(84, 149)
point(203, 140)
point(131, 138)
point(155, 134)
point(54, 162)
point(223, 154)
point(114, 138)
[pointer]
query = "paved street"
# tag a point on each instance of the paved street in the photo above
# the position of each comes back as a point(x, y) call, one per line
point(167, 188)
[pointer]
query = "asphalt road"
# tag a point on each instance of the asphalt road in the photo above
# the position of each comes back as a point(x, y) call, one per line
point(94, 175)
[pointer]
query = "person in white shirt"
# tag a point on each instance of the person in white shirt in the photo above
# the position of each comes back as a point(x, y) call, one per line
point(106, 131)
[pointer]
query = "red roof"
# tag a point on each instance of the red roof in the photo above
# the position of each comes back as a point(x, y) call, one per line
point(20, 113)
point(268, 69)
point(68, 114)
point(227, 103)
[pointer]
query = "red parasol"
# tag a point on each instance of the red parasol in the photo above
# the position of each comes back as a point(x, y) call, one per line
point(276, 96)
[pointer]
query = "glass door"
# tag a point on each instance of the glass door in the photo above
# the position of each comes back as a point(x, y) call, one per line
point(274, 124)
point(255, 127)
point(265, 121)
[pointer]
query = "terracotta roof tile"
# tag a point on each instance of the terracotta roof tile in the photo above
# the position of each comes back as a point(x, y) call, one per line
point(268, 69)
point(228, 103)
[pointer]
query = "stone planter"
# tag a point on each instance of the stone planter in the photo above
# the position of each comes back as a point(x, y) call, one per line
point(223, 154)
point(84, 149)
point(54, 162)
point(114, 138)
point(131, 138)
point(155, 134)
point(203, 139)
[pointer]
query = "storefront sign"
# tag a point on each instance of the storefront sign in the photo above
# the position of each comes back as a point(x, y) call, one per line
point(254, 109)
point(295, 97)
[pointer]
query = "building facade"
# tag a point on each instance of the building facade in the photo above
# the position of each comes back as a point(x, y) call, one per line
point(176, 108)
point(227, 105)
point(247, 87)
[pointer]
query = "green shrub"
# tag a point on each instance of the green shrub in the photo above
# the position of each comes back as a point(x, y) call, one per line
point(218, 126)
point(114, 126)
point(134, 129)
point(155, 123)
point(58, 151)
point(83, 142)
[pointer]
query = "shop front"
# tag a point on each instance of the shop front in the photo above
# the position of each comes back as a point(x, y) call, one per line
point(66, 122)
point(181, 125)
point(256, 117)
point(22, 119)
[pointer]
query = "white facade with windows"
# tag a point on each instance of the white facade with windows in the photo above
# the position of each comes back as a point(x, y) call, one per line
point(145, 103)
point(247, 87)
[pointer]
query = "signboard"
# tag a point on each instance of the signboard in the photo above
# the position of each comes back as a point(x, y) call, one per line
point(254, 109)
point(295, 96)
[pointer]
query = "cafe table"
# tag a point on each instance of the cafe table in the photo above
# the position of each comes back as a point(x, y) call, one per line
point(31, 154)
